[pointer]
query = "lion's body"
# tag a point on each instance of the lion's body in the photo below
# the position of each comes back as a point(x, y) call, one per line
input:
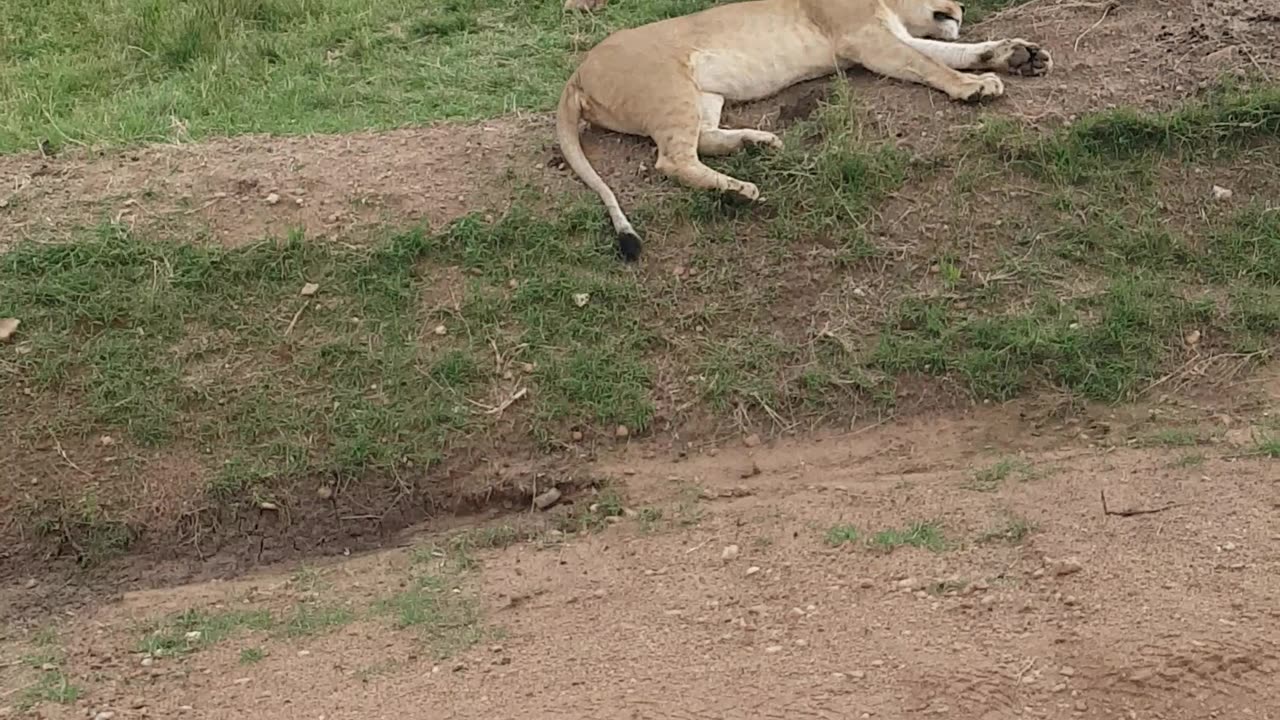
point(669, 80)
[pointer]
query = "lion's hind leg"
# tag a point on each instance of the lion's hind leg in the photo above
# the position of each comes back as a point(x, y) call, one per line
point(714, 140)
point(679, 140)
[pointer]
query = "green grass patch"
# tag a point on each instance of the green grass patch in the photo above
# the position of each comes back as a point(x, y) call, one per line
point(252, 655)
point(991, 478)
point(312, 618)
point(126, 71)
point(838, 535)
point(50, 686)
point(1012, 531)
point(917, 535)
point(163, 343)
point(1174, 437)
point(447, 619)
point(1269, 447)
point(195, 630)
point(1116, 146)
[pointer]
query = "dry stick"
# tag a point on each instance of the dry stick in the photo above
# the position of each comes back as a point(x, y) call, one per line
point(296, 315)
point(58, 445)
point(1131, 513)
point(1105, 12)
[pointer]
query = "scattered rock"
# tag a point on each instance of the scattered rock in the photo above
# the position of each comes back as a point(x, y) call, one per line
point(581, 299)
point(324, 492)
point(309, 289)
point(752, 440)
point(752, 570)
point(1193, 338)
point(730, 552)
point(857, 674)
point(622, 432)
point(1070, 601)
point(576, 436)
point(1065, 566)
point(8, 326)
point(441, 330)
point(148, 661)
point(304, 653)
point(1221, 193)
point(908, 583)
point(104, 715)
point(773, 649)
point(547, 499)
point(1222, 59)
point(751, 472)
point(272, 198)
point(193, 636)
point(31, 583)
point(1066, 671)
point(243, 681)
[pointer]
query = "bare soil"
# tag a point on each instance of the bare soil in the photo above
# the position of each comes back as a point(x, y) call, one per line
point(1166, 614)
point(1171, 613)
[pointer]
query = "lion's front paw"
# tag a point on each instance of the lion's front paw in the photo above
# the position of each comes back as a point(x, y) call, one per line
point(979, 87)
point(1019, 57)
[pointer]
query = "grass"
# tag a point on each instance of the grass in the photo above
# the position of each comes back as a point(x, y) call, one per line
point(171, 344)
point(194, 630)
point(918, 535)
point(447, 621)
point(311, 618)
point(1174, 437)
point(252, 655)
point(50, 686)
point(1269, 447)
point(1189, 460)
point(1012, 531)
point(839, 535)
point(127, 71)
point(991, 478)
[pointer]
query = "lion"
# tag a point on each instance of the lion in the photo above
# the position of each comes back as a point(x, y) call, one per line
point(669, 80)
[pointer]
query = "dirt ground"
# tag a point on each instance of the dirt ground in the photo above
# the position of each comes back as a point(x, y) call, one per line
point(722, 596)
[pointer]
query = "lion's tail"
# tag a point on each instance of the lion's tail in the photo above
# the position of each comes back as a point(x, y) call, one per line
point(568, 116)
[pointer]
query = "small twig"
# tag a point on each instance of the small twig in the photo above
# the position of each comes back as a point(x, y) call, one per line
point(296, 315)
point(1018, 680)
point(1131, 513)
point(1105, 12)
point(58, 445)
point(497, 409)
point(697, 547)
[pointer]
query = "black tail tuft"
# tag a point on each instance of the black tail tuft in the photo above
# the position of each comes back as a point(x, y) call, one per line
point(629, 245)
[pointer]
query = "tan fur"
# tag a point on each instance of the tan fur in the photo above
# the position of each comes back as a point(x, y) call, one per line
point(669, 80)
